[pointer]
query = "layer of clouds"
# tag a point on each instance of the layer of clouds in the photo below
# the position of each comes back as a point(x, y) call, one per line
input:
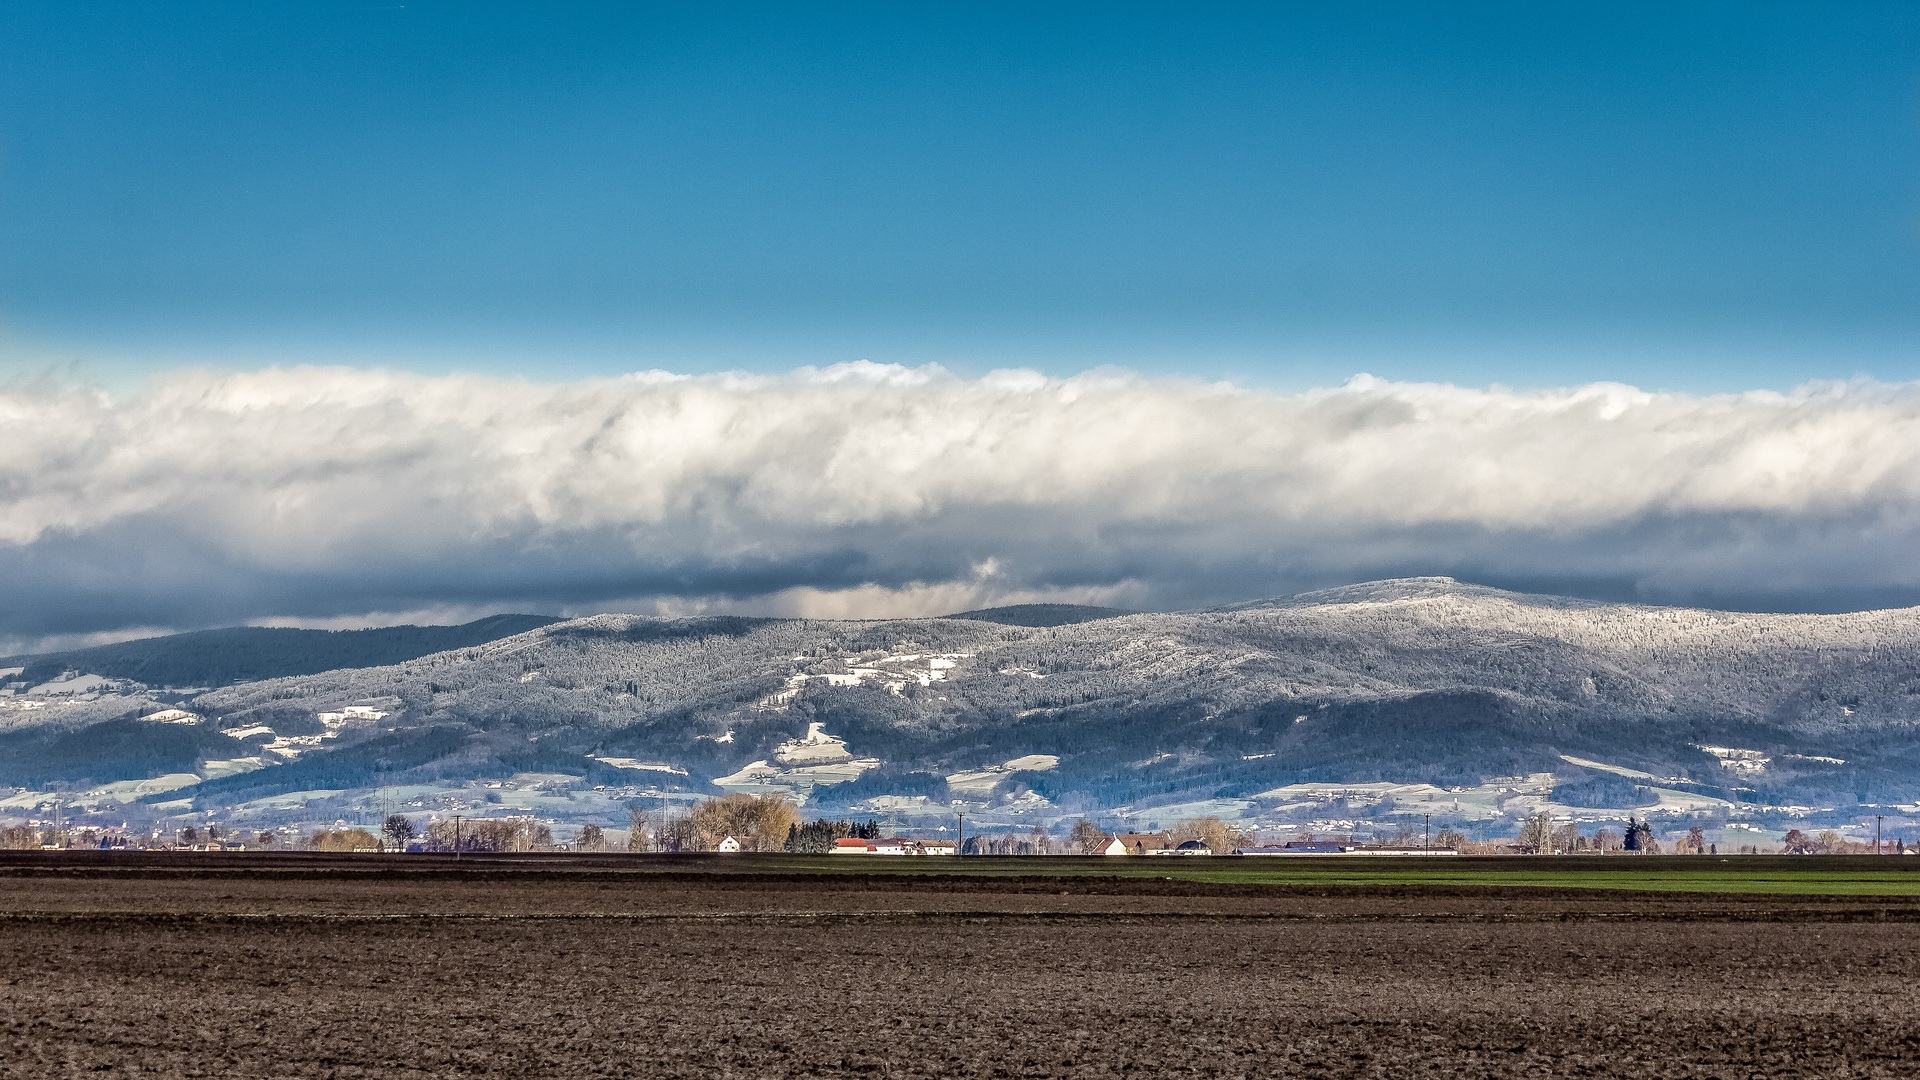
point(313, 496)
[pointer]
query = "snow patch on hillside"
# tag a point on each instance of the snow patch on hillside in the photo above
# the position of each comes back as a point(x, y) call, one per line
point(815, 747)
point(1617, 770)
point(235, 766)
point(1734, 759)
point(816, 759)
point(983, 781)
point(890, 671)
point(639, 766)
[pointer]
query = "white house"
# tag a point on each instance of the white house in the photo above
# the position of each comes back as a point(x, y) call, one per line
point(1114, 847)
point(729, 844)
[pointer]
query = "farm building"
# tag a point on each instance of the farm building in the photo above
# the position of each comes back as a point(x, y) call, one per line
point(1142, 843)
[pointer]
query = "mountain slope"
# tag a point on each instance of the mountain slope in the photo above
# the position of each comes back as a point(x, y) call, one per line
point(1396, 590)
point(1041, 614)
point(1385, 683)
point(250, 653)
point(1422, 680)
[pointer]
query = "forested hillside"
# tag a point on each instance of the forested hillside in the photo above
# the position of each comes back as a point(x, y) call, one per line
point(248, 653)
point(1416, 680)
point(1041, 614)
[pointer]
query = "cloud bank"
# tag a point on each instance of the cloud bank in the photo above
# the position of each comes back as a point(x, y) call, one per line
point(322, 496)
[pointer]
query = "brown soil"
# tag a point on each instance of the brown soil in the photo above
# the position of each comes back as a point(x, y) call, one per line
point(317, 972)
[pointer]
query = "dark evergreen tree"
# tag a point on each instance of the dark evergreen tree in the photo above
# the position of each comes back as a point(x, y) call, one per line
point(1644, 837)
point(815, 838)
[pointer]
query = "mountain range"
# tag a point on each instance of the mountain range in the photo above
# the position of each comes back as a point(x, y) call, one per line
point(1323, 703)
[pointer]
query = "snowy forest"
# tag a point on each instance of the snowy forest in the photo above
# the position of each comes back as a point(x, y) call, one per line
point(1418, 680)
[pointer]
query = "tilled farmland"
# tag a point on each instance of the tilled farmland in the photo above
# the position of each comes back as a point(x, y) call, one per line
point(199, 973)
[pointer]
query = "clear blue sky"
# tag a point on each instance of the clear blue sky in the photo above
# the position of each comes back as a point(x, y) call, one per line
point(1696, 196)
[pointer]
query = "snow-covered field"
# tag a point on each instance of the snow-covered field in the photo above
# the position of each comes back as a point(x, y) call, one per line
point(982, 781)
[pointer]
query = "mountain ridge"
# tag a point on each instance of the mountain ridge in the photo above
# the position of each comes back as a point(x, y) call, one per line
point(1408, 681)
point(1041, 614)
point(235, 653)
point(1393, 590)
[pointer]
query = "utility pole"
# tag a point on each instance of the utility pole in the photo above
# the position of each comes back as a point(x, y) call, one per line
point(960, 845)
point(456, 838)
point(1876, 833)
point(1429, 818)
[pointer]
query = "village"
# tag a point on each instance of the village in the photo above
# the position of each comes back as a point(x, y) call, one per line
point(741, 824)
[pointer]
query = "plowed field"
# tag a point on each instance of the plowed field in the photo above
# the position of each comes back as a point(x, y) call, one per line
point(342, 969)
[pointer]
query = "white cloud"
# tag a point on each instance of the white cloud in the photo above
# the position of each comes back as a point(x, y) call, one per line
point(914, 600)
point(441, 615)
point(317, 493)
point(16, 646)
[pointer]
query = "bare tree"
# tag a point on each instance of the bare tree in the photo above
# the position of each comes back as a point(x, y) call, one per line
point(1536, 836)
point(661, 829)
point(346, 840)
point(642, 826)
point(757, 823)
point(398, 830)
point(1220, 837)
point(474, 834)
point(590, 839)
point(676, 834)
point(1087, 838)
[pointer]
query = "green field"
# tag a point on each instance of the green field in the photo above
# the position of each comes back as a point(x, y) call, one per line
point(1784, 875)
point(1816, 875)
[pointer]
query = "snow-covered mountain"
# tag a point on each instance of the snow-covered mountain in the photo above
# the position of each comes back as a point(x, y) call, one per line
point(1420, 681)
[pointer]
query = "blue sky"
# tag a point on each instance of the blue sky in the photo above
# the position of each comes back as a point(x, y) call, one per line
point(358, 279)
point(1694, 197)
